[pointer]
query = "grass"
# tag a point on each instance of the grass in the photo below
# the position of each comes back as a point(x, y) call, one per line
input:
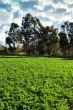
point(38, 83)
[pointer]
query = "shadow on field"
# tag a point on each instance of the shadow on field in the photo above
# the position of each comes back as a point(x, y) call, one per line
point(34, 56)
point(14, 56)
point(20, 56)
point(29, 56)
point(68, 58)
point(26, 56)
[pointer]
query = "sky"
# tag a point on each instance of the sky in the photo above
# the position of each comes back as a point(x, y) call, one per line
point(50, 12)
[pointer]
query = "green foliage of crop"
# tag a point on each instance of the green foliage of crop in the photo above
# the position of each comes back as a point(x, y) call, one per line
point(40, 83)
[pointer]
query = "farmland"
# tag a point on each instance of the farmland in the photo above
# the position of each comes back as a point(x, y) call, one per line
point(36, 83)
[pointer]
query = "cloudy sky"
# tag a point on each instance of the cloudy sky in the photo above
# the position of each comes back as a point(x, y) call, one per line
point(50, 12)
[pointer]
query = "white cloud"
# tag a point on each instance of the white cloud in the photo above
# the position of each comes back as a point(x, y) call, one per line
point(70, 10)
point(59, 5)
point(17, 20)
point(46, 22)
point(42, 4)
point(2, 32)
point(5, 16)
point(15, 6)
point(25, 0)
point(52, 14)
point(6, 1)
point(68, 1)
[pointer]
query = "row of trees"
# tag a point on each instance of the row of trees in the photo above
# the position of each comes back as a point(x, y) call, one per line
point(37, 39)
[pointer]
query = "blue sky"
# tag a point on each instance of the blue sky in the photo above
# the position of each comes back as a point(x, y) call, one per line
point(50, 12)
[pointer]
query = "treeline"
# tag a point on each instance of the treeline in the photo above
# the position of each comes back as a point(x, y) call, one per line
point(32, 38)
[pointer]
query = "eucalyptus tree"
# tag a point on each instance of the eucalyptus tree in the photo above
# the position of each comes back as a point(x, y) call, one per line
point(53, 41)
point(31, 31)
point(67, 35)
point(14, 37)
point(64, 44)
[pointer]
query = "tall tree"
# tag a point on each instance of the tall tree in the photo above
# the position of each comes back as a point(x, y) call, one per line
point(54, 41)
point(67, 28)
point(31, 29)
point(64, 43)
point(14, 37)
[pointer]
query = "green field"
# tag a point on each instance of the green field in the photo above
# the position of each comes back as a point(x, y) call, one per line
point(36, 83)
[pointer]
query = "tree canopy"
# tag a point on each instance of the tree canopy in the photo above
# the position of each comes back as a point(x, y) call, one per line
point(38, 39)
